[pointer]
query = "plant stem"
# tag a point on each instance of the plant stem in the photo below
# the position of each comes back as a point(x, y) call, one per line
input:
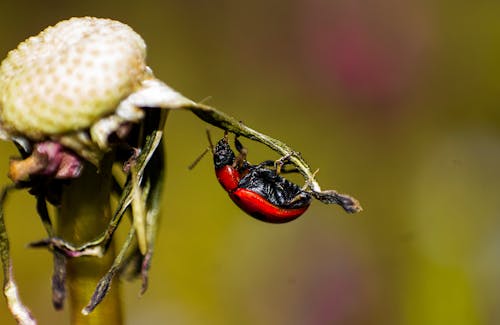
point(83, 215)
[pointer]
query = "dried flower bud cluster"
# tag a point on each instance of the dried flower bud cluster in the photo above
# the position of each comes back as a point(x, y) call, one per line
point(69, 76)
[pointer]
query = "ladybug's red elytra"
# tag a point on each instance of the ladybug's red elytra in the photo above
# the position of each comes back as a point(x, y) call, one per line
point(257, 189)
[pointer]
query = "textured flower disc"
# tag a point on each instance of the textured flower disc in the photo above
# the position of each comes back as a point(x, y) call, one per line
point(68, 76)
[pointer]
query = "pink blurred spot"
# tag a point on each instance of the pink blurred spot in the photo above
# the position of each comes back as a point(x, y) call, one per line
point(368, 58)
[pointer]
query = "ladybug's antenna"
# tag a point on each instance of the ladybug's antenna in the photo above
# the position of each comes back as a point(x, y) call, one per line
point(200, 157)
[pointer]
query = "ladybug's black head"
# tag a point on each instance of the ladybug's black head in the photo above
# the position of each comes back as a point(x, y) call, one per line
point(223, 155)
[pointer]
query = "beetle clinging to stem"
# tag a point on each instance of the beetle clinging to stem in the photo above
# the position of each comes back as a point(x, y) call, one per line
point(260, 190)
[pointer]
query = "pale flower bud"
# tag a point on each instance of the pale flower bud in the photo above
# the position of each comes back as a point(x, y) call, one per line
point(69, 76)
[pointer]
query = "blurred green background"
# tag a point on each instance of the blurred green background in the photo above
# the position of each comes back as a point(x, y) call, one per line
point(397, 103)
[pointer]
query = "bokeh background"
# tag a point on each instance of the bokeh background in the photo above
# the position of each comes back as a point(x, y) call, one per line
point(397, 103)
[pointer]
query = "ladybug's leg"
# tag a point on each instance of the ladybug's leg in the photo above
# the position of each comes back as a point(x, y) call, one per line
point(284, 161)
point(267, 163)
point(242, 157)
point(284, 170)
point(279, 165)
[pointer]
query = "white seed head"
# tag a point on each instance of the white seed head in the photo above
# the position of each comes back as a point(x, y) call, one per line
point(69, 76)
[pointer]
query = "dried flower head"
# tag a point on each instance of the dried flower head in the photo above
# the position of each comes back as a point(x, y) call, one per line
point(63, 95)
point(69, 76)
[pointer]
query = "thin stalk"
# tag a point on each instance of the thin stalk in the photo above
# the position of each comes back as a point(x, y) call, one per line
point(83, 215)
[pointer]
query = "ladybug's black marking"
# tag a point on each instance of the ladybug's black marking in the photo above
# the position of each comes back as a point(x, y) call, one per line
point(277, 190)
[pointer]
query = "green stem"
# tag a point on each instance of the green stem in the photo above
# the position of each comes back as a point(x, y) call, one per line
point(83, 215)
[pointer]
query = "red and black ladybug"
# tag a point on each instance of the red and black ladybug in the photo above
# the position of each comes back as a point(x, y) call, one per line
point(257, 189)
